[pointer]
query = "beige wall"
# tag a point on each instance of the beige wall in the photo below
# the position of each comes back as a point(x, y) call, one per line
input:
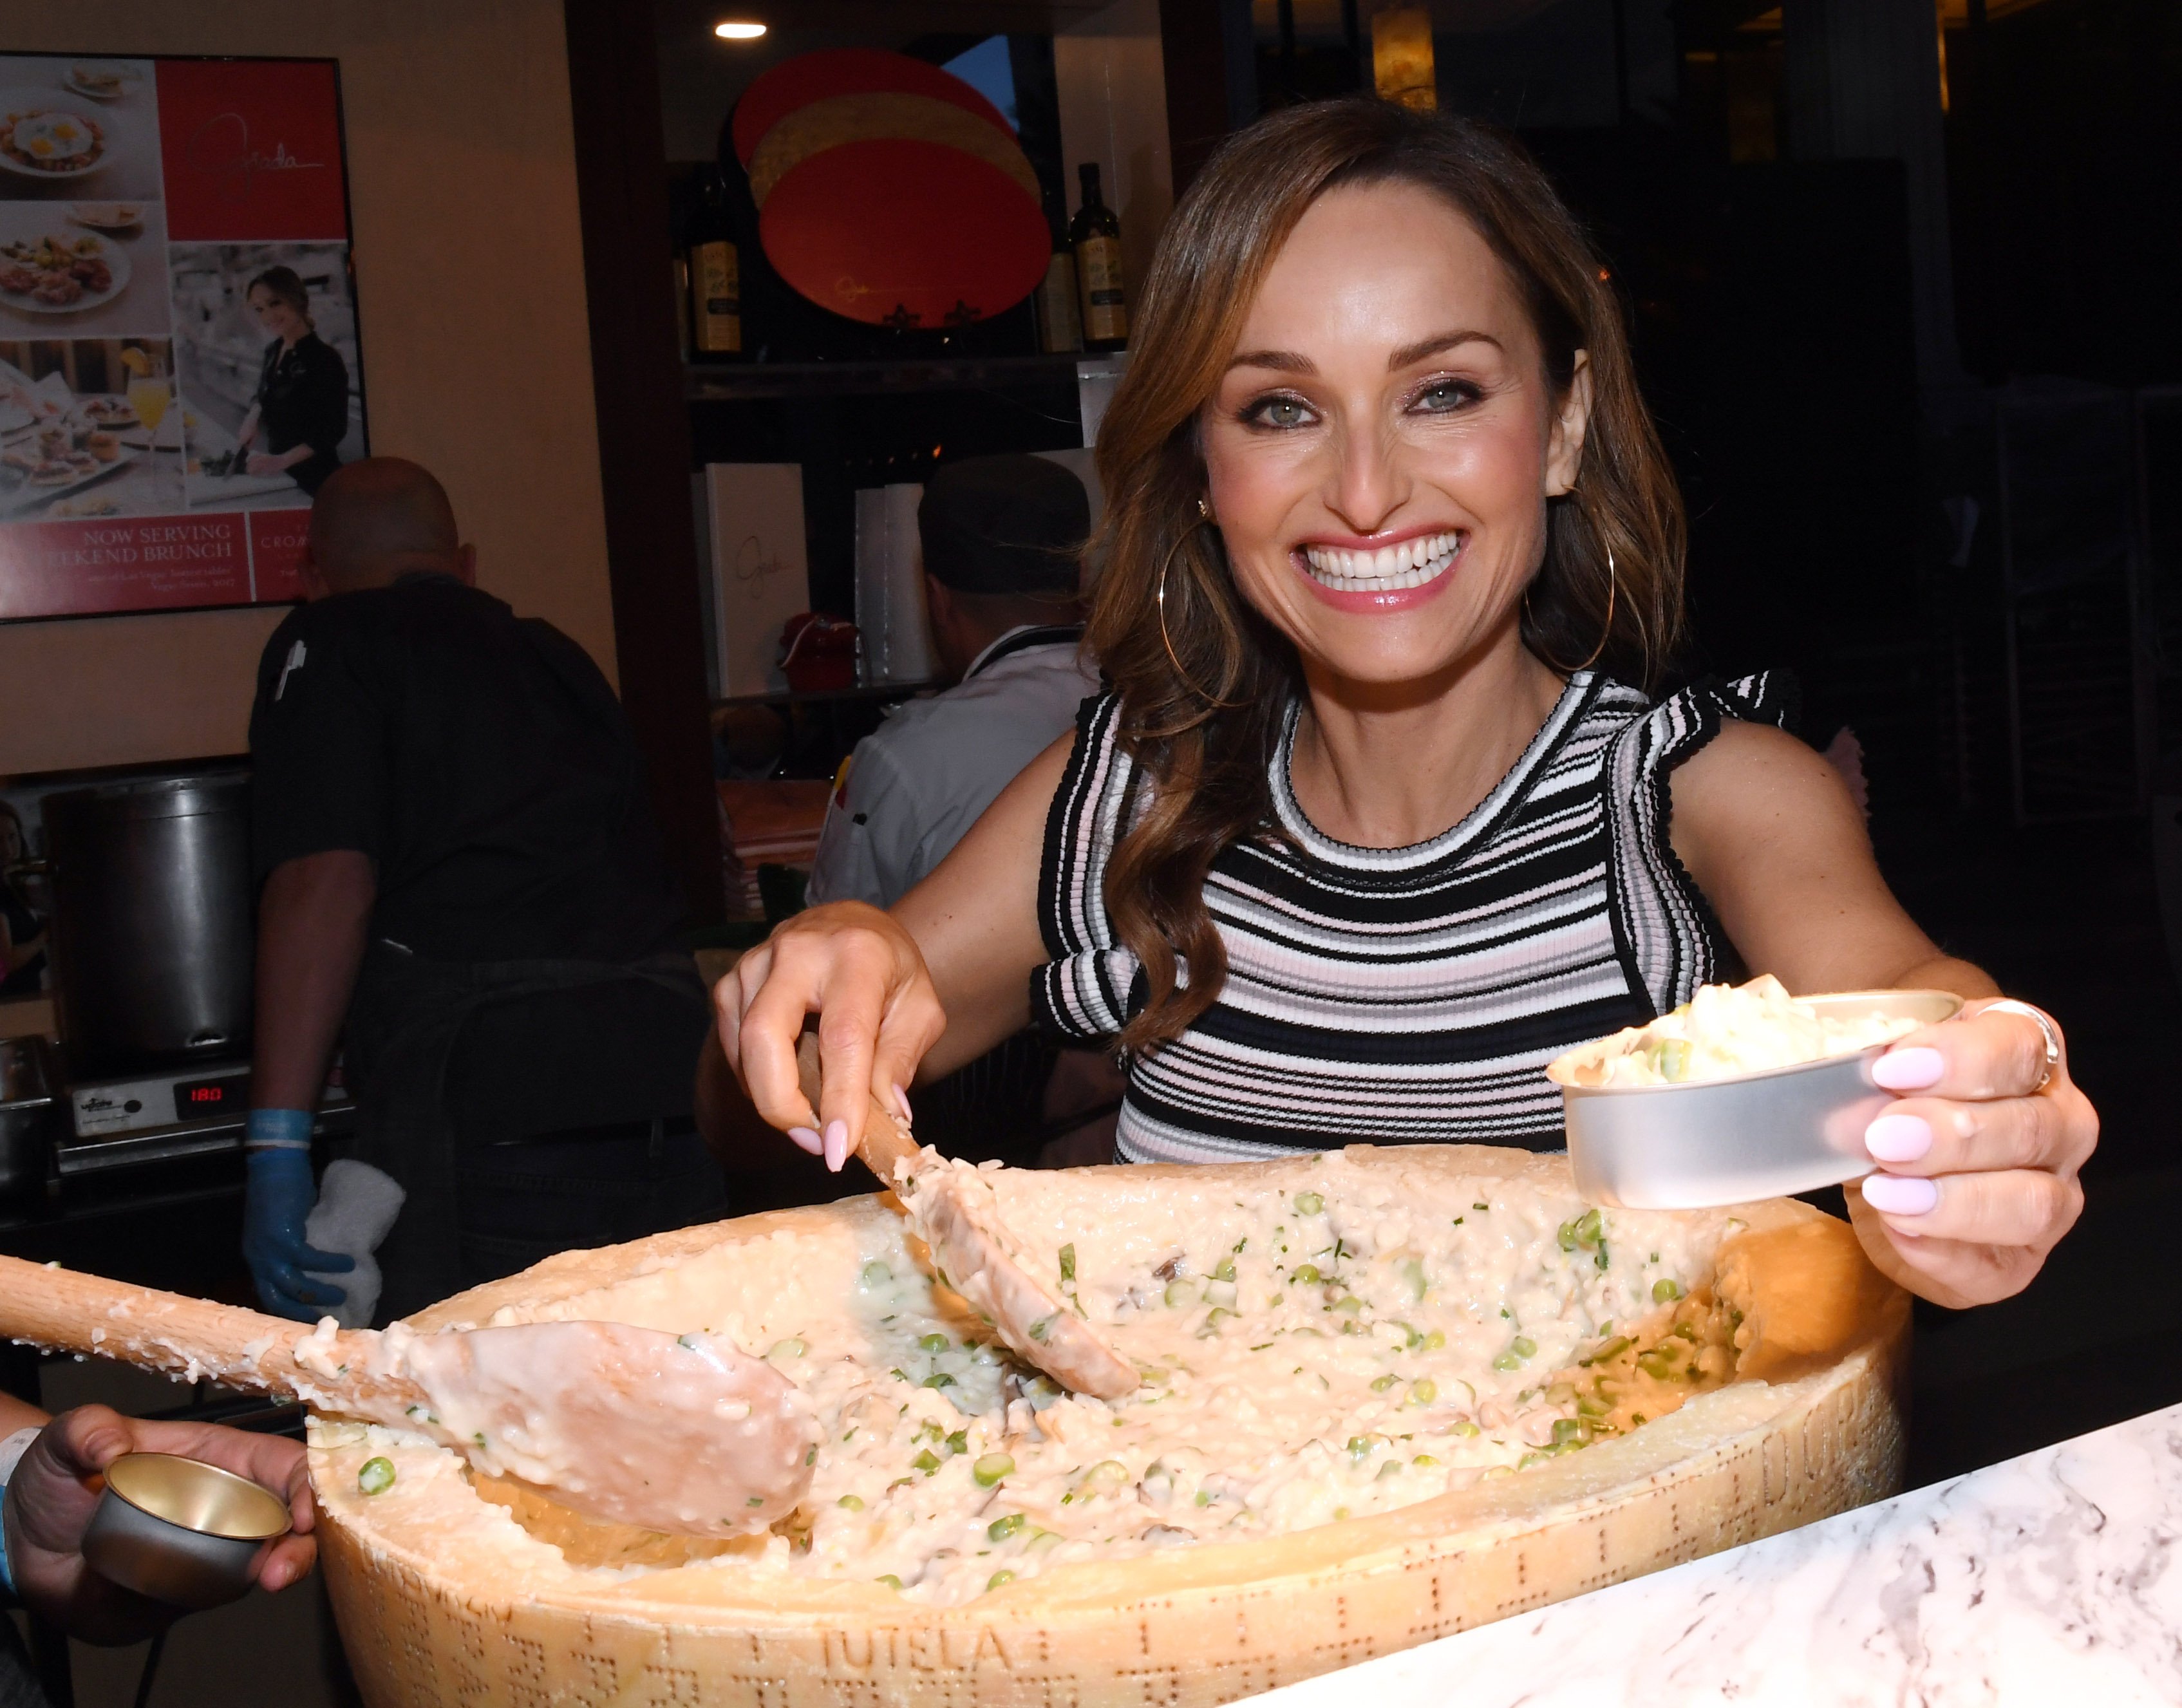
point(476, 358)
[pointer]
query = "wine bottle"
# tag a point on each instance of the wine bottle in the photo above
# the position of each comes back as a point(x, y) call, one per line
point(1096, 235)
point(716, 309)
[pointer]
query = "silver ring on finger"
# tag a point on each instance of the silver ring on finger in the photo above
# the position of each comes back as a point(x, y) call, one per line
point(2047, 1029)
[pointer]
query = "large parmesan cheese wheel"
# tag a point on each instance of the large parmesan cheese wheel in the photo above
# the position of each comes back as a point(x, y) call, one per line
point(442, 1598)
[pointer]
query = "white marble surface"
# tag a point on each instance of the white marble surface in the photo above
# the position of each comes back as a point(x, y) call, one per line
point(2052, 1579)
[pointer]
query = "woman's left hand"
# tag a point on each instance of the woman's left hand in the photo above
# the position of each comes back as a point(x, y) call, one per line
point(260, 463)
point(1978, 1159)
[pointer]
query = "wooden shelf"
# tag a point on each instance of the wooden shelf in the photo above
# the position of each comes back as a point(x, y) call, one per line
point(733, 383)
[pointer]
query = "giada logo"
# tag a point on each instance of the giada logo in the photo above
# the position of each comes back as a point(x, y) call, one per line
point(222, 148)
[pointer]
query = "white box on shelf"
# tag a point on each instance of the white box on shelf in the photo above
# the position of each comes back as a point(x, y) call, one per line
point(891, 622)
point(756, 575)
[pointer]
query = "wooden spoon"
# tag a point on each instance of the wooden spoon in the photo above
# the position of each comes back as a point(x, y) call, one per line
point(632, 1425)
point(951, 1207)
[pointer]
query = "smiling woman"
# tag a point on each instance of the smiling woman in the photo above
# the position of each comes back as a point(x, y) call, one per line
point(1361, 839)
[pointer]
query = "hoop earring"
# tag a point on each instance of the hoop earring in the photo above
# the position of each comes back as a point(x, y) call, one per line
point(1612, 581)
point(1204, 517)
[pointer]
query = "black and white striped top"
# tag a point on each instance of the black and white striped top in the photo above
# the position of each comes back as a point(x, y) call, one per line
point(1400, 995)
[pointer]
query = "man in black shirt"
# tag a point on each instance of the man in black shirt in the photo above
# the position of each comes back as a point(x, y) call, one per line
point(457, 855)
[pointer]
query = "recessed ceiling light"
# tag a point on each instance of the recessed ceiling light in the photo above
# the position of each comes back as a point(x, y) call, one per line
point(739, 29)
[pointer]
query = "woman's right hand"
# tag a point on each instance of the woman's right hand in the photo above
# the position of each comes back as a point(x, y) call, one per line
point(862, 975)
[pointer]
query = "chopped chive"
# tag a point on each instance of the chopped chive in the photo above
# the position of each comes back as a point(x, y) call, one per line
point(991, 1467)
point(376, 1477)
point(853, 1503)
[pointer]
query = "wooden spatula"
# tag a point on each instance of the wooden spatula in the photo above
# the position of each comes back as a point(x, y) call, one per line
point(952, 1209)
point(633, 1425)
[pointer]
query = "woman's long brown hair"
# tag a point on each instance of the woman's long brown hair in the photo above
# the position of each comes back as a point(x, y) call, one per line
point(1201, 720)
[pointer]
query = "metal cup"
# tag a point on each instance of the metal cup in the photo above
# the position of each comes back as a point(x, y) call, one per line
point(1754, 1135)
point(180, 1531)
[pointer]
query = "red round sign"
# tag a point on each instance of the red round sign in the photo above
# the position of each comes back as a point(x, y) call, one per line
point(811, 77)
point(896, 232)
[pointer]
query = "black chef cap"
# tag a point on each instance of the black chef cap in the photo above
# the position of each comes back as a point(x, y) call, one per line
point(1008, 524)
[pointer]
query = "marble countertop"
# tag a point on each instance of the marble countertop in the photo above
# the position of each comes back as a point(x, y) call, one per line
point(2052, 1578)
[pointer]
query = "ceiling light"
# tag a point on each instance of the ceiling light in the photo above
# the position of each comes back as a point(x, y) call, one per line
point(739, 29)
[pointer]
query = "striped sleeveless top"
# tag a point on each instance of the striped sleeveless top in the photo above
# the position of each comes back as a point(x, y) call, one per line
point(1406, 995)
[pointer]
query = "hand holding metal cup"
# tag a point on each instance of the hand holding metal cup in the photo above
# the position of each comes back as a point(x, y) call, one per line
point(185, 1516)
point(180, 1531)
point(1965, 1134)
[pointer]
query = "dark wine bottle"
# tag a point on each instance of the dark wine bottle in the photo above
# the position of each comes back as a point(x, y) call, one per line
point(716, 309)
point(1096, 234)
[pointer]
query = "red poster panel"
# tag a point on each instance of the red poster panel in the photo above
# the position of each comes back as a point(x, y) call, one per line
point(125, 563)
point(276, 552)
point(251, 151)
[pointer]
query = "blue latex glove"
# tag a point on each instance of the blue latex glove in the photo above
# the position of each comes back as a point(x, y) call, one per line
point(276, 1202)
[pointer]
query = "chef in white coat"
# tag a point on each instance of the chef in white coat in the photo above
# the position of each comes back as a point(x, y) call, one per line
point(1003, 539)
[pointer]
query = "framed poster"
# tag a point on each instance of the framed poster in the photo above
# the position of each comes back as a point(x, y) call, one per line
point(179, 366)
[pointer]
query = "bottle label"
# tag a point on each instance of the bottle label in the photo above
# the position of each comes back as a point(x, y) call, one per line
point(715, 284)
point(1106, 303)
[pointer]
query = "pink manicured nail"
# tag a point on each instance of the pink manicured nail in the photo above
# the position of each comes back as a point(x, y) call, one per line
point(837, 1145)
point(1910, 1071)
point(1898, 1138)
point(806, 1139)
point(1901, 1195)
point(901, 1103)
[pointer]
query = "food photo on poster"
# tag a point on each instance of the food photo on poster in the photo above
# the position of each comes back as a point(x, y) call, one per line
point(178, 328)
point(82, 269)
point(86, 430)
point(265, 337)
point(73, 128)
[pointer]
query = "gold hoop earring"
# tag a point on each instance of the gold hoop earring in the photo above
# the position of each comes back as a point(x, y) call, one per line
point(1612, 581)
point(1159, 599)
